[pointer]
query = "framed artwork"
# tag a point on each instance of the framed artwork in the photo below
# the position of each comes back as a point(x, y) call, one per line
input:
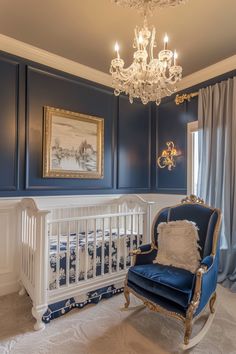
point(73, 144)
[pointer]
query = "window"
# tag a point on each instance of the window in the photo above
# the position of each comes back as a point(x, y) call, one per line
point(193, 158)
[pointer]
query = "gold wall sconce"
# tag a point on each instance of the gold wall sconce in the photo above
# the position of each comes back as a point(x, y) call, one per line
point(168, 156)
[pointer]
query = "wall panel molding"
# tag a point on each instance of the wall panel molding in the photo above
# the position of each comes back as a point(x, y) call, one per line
point(134, 146)
point(59, 90)
point(9, 116)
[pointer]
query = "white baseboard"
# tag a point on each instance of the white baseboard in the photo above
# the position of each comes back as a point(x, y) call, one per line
point(8, 288)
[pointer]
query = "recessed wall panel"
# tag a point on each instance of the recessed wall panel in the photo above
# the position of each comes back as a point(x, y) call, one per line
point(134, 145)
point(47, 89)
point(8, 124)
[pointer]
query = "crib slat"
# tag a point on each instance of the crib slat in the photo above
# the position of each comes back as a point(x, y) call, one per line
point(30, 247)
point(86, 250)
point(68, 255)
point(95, 248)
point(132, 233)
point(118, 245)
point(22, 238)
point(103, 246)
point(77, 255)
point(34, 248)
point(58, 256)
point(27, 246)
point(138, 233)
point(49, 249)
point(125, 242)
point(110, 245)
point(24, 245)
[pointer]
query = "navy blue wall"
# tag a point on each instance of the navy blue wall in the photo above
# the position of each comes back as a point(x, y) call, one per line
point(171, 123)
point(134, 146)
point(134, 134)
point(26, 88)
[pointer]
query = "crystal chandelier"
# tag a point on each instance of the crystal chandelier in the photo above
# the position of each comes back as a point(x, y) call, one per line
point(147, 78)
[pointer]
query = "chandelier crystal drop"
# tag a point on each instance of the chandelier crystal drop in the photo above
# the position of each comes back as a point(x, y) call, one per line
point(148, 78)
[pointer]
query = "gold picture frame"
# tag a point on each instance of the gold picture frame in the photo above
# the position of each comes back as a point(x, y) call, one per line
point(73, 144)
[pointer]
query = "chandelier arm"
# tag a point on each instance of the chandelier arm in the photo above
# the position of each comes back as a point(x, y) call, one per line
point(152, 42)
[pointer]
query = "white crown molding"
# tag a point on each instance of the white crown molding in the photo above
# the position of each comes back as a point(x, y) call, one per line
point(27, 51)
point(208, 73)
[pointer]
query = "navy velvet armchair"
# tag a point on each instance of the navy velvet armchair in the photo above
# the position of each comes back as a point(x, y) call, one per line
point(174, 291)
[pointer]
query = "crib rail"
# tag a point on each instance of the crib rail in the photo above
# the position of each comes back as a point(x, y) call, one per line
point(87, 247)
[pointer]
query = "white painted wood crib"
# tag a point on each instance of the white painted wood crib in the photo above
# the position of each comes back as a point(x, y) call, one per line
point(68, 251)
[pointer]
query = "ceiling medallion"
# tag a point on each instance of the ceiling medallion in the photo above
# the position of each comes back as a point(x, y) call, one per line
point(149, 78)
point(149, 4)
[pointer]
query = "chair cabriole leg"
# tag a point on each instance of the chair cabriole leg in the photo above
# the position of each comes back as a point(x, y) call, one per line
point(127, 297)
point(188, 326)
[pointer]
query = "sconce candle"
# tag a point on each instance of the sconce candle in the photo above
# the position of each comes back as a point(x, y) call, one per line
point(167, 158)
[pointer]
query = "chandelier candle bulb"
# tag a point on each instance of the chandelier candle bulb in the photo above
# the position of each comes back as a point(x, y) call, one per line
point(140, 39)
point(166, 39)
point(117, 48)
point(175, 58)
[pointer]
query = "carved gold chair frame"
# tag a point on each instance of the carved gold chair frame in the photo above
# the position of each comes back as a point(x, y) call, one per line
point(188, 319)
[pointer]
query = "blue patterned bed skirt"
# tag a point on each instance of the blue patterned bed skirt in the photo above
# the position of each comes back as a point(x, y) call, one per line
point(93, 297)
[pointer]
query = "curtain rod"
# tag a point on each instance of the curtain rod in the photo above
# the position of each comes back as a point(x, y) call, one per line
point(185, 97)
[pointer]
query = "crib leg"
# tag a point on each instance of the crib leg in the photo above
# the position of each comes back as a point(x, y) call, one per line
point(37, 312)
point(22, 290)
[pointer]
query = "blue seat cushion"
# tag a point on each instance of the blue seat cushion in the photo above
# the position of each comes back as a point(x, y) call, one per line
point(169, 282)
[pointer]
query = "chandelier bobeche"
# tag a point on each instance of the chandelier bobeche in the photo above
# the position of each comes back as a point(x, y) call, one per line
point(147, 78)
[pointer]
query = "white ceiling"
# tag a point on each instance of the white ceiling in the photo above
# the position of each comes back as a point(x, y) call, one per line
point(202, 31)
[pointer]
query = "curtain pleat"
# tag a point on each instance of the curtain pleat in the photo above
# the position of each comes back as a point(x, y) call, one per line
point(217, 166)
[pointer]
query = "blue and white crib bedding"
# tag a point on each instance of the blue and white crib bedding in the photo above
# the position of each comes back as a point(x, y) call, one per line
point(93, 297)
point(66, 247)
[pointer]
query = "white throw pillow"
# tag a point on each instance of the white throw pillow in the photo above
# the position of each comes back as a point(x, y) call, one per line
point(178, 245)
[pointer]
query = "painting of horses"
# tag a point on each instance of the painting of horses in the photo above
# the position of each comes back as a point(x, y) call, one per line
point(73, 144)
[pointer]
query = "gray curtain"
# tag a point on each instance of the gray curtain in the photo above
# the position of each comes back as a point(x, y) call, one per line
point(217, 166)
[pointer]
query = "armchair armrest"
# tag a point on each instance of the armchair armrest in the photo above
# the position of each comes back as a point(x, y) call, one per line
point(206, 281)
point(207, 262)
point(145, 254)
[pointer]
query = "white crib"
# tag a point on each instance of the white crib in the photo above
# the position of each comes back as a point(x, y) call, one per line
point(68, 251)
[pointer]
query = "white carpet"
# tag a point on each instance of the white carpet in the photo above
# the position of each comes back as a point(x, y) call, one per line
point(104, 329)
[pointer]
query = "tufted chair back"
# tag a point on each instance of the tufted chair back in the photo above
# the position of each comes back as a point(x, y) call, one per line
point(205, 217)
